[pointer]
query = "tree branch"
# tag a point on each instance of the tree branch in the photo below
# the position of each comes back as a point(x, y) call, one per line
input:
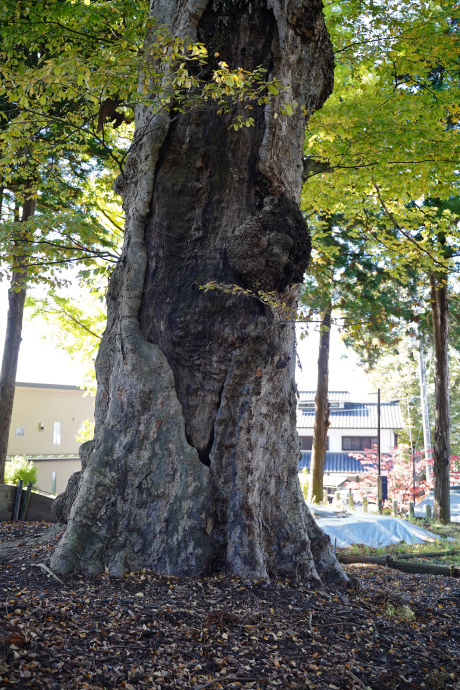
point(79, 323)
point(403, 232)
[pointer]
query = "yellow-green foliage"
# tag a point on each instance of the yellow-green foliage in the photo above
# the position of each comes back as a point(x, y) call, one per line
point(19, 467)
point(75, 326)
point(387, 139)
point(86, 433)
point(304, 478)
point(84, 80)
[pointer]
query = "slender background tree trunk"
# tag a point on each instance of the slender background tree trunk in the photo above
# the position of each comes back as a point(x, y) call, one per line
point(16, 299)
point(193, 468)
point(441, 445)
point(318, 455)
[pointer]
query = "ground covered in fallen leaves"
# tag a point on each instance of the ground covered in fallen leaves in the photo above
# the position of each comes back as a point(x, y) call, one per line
point(391, 630)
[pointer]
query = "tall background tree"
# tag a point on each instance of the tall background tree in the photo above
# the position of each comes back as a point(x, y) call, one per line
point(43, 165)
point(41, 235)
point(320, 429)
point(351, 288)
point(385, 145)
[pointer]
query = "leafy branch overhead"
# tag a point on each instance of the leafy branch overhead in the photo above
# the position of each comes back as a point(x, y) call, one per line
point(69, 87)
point(82, 74)
point(75, 325)
point(388, 137)
point(381, 164)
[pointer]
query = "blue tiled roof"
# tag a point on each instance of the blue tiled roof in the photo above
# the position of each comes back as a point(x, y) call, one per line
point(355, 416)
point(335, 462)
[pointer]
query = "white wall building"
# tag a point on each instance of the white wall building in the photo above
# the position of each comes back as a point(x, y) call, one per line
point(353, 429)
point(45, 420)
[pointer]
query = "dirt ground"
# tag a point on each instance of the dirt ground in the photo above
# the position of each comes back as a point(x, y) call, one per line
point(390, 630)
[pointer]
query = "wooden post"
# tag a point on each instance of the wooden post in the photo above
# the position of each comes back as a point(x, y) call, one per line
point(365, 504)
point(337, 499)
point(351, 502)
point(25, 502)
point(428, 512)
point(17, 500)
point(395, 508)
point(325, 497)
point(411, 509)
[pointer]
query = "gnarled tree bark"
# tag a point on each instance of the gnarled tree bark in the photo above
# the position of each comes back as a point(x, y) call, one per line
point(193, 468)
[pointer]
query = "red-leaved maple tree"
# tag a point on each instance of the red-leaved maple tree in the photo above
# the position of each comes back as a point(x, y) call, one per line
point(406, 473)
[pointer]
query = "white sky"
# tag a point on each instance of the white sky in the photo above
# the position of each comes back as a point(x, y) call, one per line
point(41, 362)
point(344, 372)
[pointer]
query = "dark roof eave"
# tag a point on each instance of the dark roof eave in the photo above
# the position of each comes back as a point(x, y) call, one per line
point(21, 384)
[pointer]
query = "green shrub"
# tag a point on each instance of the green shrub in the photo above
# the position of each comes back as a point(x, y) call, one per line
point(304, 476)
point(20, 468)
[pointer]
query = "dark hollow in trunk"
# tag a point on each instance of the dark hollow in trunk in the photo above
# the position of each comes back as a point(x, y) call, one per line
point(193, 468)
point(16, 300)
point(318, 455)
point(441, 445)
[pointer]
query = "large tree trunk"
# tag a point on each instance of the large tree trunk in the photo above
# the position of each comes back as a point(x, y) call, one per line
point(441, 446)
point(318, 455)
point(193, 468)
point(16, 299)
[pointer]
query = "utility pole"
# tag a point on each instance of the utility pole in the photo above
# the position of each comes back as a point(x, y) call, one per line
point(425, 412)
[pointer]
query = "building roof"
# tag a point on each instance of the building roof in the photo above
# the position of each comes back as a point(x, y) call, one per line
point(355, 416)
point(51, 458)
point(48, 385)
point(335, 462)
point(333, 396)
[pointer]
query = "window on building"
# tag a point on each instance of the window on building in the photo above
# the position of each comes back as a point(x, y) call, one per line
point(53, 482)
point(57, 433)
point(20, 431)
point(358, 442)
point(306, 442)
point(333, 405)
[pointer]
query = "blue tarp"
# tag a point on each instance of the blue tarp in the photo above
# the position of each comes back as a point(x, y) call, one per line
point(370, 529)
